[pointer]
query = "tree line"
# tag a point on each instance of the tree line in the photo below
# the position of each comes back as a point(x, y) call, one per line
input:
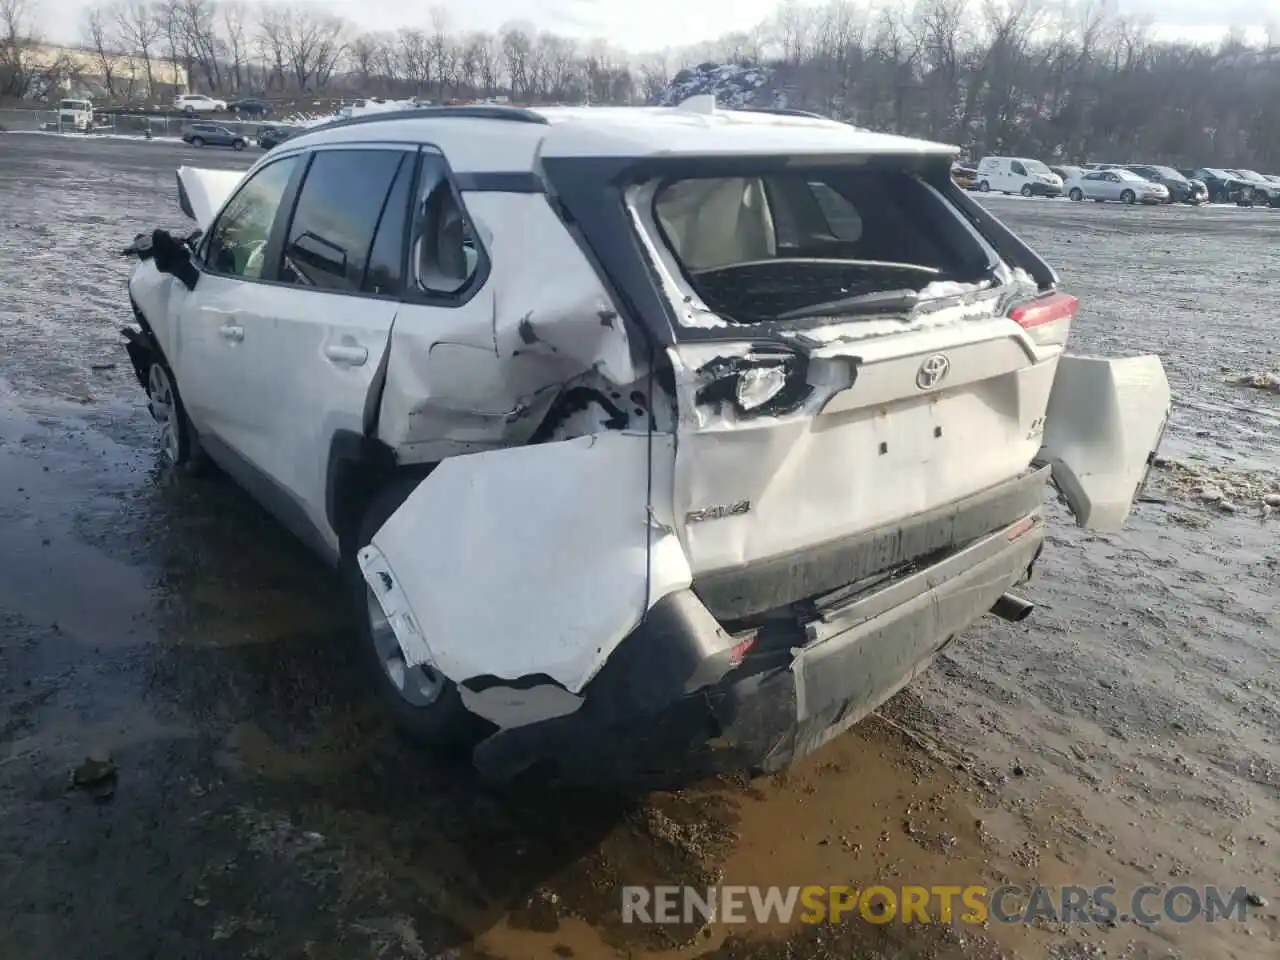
point(1069, 80)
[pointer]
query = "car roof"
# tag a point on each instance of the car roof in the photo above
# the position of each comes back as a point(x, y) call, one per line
point(489, 137)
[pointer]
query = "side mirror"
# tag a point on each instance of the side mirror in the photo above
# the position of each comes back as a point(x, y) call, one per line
point(173, 256)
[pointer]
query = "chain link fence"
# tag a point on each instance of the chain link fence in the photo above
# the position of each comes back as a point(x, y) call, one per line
point(128, 124)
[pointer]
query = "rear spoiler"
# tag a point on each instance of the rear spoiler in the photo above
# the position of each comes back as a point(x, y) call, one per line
point(201, 193)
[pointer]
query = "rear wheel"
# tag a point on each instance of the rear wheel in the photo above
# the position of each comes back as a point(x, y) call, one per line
point(1128, 197)
point(197, 141)
point(424, 703)
point(1026, 190)
point(1076, 194)
point(238, 144)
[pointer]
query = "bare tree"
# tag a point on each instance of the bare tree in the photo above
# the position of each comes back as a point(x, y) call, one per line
point(17, 36)
point(96, 30)
point(234, 42)
point(139, 30)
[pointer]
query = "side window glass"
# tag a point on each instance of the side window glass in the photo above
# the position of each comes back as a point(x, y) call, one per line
point(446, 254)
point(840, 214)
point(339, 206)
point(385, 272)
point(239, 238)
point(1019, 169)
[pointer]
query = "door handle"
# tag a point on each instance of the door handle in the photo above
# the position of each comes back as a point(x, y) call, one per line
point(232, 332)
point(351, 354)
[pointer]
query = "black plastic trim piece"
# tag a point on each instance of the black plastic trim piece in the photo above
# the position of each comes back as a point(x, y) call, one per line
point(499, 182)
point(1015, 251)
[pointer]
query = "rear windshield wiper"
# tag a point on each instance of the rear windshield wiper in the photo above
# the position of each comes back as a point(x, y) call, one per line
point(885, 301)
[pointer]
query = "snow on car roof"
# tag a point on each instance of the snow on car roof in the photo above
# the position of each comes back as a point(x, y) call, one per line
point(487, 139)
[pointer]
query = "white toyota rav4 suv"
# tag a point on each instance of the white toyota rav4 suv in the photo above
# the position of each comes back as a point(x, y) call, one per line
point(649, 440)
point(198, 103)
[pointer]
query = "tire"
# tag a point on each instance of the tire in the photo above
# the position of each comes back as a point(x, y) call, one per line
point(237, 145)
point(179, 443)
point(1026, 190)
point(1076, 194)
point(1128, 197)
point(197, 141)
point(983, 186)
point(425, 706)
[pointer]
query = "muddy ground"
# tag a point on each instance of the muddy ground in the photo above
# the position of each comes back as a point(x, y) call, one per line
point(1129, 732)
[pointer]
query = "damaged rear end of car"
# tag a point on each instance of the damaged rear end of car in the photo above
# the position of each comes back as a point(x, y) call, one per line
point(744, 441)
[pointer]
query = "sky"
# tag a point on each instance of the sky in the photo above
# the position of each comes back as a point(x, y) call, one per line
point(644, 25)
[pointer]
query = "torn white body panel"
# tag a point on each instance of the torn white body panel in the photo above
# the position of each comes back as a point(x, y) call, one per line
point(203, 192)
point(481, 375)
point(532, 560)
point(1105, 419)
point(158, 296)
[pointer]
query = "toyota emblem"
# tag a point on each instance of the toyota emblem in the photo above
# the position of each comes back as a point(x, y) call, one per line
point(933, 371)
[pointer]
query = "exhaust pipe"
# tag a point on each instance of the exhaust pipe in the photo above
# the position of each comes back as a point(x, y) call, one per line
point(1012, 608)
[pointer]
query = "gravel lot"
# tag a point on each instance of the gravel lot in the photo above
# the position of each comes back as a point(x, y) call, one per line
point(1129, 732)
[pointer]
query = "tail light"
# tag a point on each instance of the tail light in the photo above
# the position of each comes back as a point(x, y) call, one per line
point(765, 382)
point(1047, 319)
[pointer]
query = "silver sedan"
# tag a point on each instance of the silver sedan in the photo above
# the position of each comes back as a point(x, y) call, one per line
point(1122, 185)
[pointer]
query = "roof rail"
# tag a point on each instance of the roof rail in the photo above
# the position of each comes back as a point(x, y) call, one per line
point(479, 111)
point(786, 112)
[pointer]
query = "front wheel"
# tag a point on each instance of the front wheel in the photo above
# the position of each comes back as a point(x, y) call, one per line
point(983, 186)
point(178, 441)
point(197, 141)
point(1026, 190)
point(424, 703)
point(1128, 197)
point(1076, 194)
point(238, 145)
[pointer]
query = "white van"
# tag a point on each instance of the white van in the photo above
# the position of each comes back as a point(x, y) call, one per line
point(1031, 178)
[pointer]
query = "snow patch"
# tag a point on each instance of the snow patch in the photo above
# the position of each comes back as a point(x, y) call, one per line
point(733, 86)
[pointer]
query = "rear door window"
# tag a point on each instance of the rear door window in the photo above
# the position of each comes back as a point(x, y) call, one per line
point(340, 206)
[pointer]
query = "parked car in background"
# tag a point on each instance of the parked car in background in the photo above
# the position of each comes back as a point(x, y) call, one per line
point(250, 108)
point(269, 137)
point(1264, 191)
point(1181, 189)
point(1223, 185)
point(212, 135)
point(1121, 185)
point(1031, 178)
point(1067, 171)
point(190, 103)
point(965, 177)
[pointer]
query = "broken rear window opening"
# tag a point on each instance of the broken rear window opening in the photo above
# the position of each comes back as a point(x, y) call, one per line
point(817, 242)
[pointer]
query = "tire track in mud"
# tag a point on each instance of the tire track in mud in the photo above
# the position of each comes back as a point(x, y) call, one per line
point(265, 810)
